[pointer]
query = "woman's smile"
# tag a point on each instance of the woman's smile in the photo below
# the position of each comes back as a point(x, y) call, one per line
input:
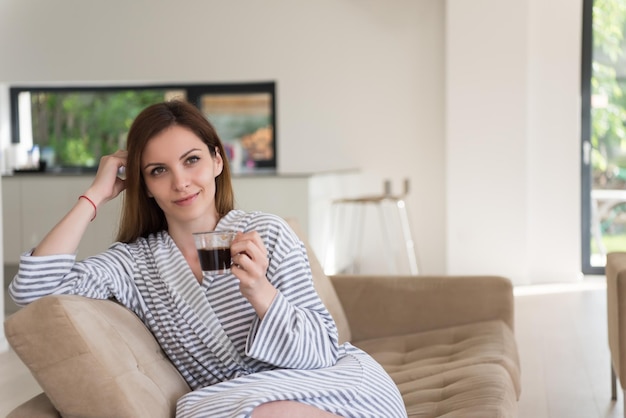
point(186, 201)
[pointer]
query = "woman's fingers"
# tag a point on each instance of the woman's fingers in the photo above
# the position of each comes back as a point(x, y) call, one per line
point(250, 244)
point(249, 255)
point(107, 183)
point(250, 263)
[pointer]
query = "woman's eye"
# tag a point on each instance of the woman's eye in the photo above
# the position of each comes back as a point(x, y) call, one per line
point(193, 159)
point(157, 170)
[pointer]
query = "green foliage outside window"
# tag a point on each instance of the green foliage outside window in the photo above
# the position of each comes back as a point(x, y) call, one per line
point(608, 118)
point(608, 136)
point(80, 127)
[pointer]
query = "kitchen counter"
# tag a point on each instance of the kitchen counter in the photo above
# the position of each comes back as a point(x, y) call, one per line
point(33, 203)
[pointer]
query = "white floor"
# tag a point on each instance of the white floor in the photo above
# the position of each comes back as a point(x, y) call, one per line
point(561, 332)
point(16, 383)
point(563, 344)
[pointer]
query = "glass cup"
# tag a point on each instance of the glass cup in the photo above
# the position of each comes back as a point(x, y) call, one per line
point(214, 250)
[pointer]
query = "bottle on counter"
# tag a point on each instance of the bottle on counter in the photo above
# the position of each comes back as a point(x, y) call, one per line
point(33, 157)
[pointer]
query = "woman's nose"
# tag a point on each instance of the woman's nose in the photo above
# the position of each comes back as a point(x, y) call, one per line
point(180, 181)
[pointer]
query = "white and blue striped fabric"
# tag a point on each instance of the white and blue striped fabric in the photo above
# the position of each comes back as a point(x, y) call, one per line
point(232, 360)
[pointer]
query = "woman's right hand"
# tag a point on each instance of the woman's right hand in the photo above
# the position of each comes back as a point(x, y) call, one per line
point(107, 184)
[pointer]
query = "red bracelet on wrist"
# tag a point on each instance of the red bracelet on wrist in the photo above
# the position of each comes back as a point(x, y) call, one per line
point(95, 209)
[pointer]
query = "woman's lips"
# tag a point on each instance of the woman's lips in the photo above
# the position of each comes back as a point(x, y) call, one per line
point(186, 200)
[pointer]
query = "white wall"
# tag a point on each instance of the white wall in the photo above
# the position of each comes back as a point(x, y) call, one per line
point(554, 215)
point(475, 101)
point(487, 86)
point(513, 138)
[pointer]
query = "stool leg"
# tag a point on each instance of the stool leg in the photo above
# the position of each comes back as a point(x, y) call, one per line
point(408, 239)
point(356, 242)
point(330, 253)
point(614, 384)
point(348, 226)
point(388, 242)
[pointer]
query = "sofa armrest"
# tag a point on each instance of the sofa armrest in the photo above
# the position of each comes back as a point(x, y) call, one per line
point(37, 407)
point(383, 306)
point(94, 358)
point(615, 272)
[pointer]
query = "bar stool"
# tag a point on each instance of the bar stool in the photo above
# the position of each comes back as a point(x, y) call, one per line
point(350, 212)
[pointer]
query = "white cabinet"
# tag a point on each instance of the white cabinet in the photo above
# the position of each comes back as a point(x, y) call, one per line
point(33, 204)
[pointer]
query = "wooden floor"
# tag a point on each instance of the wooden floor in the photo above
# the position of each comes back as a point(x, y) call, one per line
point(561, 332)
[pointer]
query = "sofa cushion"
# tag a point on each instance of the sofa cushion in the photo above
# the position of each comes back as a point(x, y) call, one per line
point(94, 355)
point(445, 371)
point(476, 391)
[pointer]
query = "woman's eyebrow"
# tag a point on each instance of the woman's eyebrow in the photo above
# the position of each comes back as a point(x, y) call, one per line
point(186, 153)
point(152, 164)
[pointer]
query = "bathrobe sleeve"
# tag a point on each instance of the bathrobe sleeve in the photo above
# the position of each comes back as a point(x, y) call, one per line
point(104, 276)
point(297, 331)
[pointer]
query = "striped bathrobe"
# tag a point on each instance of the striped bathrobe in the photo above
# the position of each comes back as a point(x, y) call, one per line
point(231, 359)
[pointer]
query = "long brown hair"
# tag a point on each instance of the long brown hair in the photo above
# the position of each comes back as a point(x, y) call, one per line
point(141, 215)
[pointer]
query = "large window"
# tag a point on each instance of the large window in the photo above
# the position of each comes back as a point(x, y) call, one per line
point(603, 132)
point(71, 127)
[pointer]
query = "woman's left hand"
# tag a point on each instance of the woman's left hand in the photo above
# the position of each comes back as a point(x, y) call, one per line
point(250, 265)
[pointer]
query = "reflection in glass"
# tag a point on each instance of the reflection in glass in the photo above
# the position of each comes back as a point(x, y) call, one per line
point(244, 123)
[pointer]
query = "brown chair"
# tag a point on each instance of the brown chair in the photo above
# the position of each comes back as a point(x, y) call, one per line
point(616, 318)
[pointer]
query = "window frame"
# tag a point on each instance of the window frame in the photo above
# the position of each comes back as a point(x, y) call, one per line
point(586, 169)
point(194, 93)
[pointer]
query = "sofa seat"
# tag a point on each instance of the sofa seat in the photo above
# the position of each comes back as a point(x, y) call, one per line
point(463, 370)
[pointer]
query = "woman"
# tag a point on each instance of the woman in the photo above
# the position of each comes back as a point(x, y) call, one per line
point(254, 342)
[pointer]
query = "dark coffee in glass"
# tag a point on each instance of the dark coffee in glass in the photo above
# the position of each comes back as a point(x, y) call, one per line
point(214, 250)
point(215, 259)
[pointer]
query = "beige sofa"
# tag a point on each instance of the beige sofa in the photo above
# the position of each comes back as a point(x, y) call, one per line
point(447, 342)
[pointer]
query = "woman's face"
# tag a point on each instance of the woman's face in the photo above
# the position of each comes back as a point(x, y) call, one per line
point(179, 172)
